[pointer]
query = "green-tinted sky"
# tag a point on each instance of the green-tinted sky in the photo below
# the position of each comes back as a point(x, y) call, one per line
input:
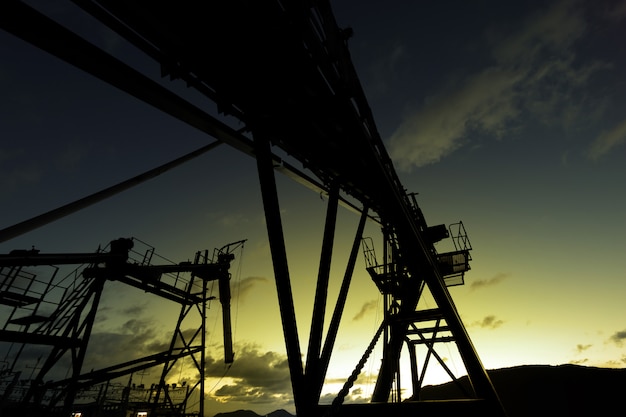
point(509, 117)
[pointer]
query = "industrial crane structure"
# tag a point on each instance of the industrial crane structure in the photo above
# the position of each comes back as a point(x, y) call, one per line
point(59, 312)
point(283, 69)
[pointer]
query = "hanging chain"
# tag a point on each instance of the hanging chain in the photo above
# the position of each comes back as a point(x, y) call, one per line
point(338, 401)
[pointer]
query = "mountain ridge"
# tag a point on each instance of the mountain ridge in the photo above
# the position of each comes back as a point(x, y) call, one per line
point(249, 413)
point(547, 390)
point(567, 390)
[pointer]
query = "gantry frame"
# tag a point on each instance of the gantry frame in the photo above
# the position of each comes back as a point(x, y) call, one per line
point(321, 118)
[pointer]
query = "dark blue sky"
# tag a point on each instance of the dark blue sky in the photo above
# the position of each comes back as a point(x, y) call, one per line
point(508, 116)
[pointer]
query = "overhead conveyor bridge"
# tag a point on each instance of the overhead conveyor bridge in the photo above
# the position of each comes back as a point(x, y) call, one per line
point(283, 69)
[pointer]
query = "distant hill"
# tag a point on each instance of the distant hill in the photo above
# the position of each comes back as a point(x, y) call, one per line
point(238, 413)
point(535, 391)
point(248, 413)
point(549, 391)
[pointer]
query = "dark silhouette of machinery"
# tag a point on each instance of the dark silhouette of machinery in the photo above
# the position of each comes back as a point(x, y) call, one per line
point(58, 312)
point(283, 69)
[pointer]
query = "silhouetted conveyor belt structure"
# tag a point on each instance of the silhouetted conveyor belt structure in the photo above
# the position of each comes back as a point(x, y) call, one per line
point(282, 68)
point(286, 73)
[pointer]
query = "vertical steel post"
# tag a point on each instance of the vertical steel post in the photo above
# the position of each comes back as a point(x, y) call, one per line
point(415, 380)
point(203, 343)
point(321, 294)
point(271, 206)
point(224, 291)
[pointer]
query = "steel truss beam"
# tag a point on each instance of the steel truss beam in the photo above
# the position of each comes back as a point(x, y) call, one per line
point(369, 176)
point(33, 27)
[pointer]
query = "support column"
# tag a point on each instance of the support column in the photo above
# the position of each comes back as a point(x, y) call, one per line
point(275, 235)
point(203, 313)
point(321, 295)
point(415, 380)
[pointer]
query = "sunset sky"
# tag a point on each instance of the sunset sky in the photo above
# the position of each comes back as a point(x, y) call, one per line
point(508, 116)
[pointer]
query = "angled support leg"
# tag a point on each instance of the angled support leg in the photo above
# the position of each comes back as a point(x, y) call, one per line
point(281, 270)
point(333, 328)
point(321, 295)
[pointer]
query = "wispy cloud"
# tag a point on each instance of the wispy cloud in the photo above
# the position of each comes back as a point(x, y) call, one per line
point(484, 101)
point(554, 28)
point(246, 285)
point(495, 280)
point(580, 349)
point(488, 322)
point(614, 363)
point(618, 337)
point(532, 70)
point(365, 308)
point(608, 140)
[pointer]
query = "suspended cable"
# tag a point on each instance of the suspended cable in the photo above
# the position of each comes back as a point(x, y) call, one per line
point(222, 377)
